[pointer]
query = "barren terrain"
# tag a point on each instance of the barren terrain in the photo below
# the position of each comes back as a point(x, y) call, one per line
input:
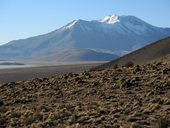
point(135, 96)
point(18, 74)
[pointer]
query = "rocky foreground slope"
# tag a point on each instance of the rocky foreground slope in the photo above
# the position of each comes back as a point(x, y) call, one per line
point(136, 96)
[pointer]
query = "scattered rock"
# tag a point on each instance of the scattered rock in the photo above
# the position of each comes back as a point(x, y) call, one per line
point(1, 103)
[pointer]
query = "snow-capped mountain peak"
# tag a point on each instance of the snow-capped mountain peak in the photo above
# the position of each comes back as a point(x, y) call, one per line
point(111, 35)
point(70, 25)
point(110, 19)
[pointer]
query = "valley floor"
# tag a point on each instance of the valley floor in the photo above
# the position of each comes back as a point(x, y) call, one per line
point(125, 97)
point(19, 74)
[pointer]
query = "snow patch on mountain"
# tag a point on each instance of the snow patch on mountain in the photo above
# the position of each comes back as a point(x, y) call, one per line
point(110, 19)
point(70, 25)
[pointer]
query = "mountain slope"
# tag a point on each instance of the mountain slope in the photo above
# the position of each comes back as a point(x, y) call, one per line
point(72, 56)
point(113, 35)
point(155, 51)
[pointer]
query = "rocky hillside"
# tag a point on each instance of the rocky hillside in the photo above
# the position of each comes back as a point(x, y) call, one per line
point(153, 52)
point(136, 97)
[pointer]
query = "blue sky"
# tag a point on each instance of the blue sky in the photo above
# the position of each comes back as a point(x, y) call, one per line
point(24, 18)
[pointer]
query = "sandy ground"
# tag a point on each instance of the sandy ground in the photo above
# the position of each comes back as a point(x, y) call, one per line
point(19, 74)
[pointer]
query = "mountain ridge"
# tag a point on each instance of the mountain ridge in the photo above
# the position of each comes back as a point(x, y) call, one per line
point(117, 34)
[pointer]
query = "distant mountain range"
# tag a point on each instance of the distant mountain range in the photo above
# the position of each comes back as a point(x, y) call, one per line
point(81, 40)
point(159, 50)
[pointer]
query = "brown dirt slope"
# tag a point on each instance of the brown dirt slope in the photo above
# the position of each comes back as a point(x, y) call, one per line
point(133, 97)
point(146, 54)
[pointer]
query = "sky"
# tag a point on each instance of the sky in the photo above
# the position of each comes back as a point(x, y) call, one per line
point(21, 19)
